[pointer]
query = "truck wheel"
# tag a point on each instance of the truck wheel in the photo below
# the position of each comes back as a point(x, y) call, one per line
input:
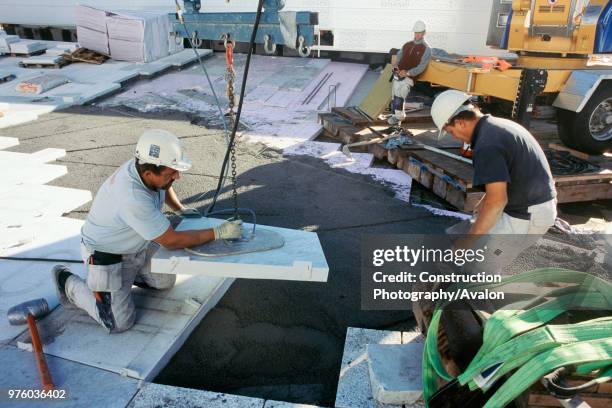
point(590, 130)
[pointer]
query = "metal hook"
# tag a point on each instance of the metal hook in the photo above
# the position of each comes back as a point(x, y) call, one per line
point(267, 41)
point(302, 50)
point(226, 38)
point(195, 40)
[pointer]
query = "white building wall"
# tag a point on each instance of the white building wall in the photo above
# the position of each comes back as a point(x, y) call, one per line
point(458, 26)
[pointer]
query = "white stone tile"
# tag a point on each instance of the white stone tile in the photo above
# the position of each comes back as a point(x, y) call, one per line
point(301, 258)
point(83, 385)
point(35, 174)
point(153, 394)
point(39, 157)
point(21, 281)
point(6, 142)
point(146, 348)
point(395, 372)
point(354, 384)
point(24, 204)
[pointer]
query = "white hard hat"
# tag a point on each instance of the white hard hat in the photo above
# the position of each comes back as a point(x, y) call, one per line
point(447, 105)
point(162, 148)
point(419, 26)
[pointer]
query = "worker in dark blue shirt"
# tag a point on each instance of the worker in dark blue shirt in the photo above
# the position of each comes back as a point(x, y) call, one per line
point(520, 195)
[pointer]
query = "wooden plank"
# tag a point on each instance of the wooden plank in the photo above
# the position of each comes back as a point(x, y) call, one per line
point(378, 150)
point(333, 123)
point(351, 114)
point(584, 192)
point(602, 175)
point(458, 170)
point(576, 153)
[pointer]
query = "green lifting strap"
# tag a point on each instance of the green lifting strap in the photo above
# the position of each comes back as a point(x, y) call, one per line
point(516, 352)
point(577, 353)
point(589, 292)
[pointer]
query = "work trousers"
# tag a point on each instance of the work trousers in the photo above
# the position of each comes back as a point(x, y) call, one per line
point(509, 237)
point(106, 295)
point(399, 93)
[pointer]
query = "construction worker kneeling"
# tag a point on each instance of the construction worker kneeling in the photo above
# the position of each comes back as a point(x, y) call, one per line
point(124, 229)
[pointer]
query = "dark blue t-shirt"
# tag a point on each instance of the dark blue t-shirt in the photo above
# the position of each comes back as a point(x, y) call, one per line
point(506, 151)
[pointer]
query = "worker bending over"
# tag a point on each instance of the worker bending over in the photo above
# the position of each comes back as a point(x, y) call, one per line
point(520, 195)
point(124, 229)
point(411, 61)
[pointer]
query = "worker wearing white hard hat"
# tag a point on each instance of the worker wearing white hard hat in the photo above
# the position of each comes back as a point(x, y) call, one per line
point(411, 61)
point(126, 226)
point(520, 196)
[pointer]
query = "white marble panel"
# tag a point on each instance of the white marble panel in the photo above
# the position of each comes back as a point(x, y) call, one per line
point(301, 258)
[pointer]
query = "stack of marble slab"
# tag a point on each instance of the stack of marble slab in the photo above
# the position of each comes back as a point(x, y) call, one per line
point(134, 36)
point(91, 29)
point(138, 36)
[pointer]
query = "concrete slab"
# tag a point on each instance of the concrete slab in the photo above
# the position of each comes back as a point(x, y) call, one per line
point(22, 281)
point(164, 320)
point(301, 258)
point(395, 372)
point(83, 385)
point(154, 395)
point(6, 142)
point(353, 385)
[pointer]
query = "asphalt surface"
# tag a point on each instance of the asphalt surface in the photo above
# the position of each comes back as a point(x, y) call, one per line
point(273, 339)
point(270, 339)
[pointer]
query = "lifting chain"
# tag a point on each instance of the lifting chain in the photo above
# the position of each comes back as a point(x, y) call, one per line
point(230, 76)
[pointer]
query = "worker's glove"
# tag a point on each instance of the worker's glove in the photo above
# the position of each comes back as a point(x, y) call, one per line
point(187, 212)
point(229, 230)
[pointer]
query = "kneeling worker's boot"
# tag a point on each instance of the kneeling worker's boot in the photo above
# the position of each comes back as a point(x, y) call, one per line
point(61, 273)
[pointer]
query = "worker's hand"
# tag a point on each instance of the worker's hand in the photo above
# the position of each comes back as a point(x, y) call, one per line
point(187, 212)
point(403, 73)
point(229, 230)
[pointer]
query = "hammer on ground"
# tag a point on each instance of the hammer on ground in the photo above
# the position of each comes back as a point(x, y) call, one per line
point(28, 312)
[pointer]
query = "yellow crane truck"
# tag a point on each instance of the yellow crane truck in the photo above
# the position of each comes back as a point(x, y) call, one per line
point(564, 50)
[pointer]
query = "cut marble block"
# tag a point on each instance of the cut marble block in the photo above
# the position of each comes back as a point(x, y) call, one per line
point(21, 281)
point(6, 142)
point(53, 237)
point(301, 258)
point(25, 203)
point(152, 395)
point(39, 157)
point(164, 320)
point(98, 388)
point(395, 372)
point(353, 384)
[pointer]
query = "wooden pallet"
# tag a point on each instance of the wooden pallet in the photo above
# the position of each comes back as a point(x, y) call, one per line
point(450, 179)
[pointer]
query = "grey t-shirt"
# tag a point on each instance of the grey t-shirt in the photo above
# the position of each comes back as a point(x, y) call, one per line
point(125, 215)
point(506, 151)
